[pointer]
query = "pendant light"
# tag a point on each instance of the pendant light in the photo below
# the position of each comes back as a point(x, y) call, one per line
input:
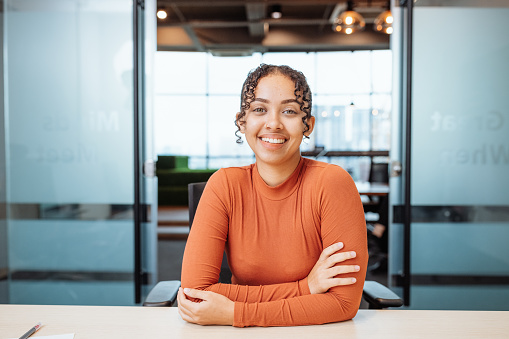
point(349, 21)
point(383, 22)
point(161, 13)
point(275, 12)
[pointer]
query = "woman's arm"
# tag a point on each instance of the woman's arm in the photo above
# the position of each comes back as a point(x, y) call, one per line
point(205, 246)
point(342, 219)
point(216, 309)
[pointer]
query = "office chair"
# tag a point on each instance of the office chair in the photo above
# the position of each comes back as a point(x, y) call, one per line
point(164, 293)
point(379, 172)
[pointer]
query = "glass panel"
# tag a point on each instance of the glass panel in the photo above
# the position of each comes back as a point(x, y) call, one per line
point(69, 142)
point(469, 100)
point(460, 297)
point(4, 294)
point(460, 156)
point(148, 180)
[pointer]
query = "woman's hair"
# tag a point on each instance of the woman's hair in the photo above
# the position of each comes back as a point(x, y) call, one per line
point(302, 92)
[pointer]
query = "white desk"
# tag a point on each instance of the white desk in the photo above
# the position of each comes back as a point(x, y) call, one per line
point(372, 188)
point(99, 322)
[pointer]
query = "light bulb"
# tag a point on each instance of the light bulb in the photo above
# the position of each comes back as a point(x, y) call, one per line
point(349, 22)
point(276, 15)
point(383, 22)
point(161, 14)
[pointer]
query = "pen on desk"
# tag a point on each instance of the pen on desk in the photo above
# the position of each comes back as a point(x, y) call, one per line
point(31, 331)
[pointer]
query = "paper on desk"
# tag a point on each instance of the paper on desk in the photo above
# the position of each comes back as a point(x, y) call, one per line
point(58, 336)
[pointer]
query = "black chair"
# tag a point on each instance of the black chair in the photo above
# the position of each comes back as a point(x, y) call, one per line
point(164, 293)
point(379, 172)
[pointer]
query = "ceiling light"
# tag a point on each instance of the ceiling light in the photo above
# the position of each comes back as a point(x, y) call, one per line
point(161, 13)
point(276, 13)
point(349, 21)
point(383, 22)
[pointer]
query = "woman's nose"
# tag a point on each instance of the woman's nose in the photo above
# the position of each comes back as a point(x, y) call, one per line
point(273, 121)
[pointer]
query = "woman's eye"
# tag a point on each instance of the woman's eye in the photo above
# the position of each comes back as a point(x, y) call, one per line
point(258, 109)
point(289, 111)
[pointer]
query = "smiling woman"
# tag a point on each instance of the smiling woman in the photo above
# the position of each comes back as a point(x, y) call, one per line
point(293, 228)
point(274, 122)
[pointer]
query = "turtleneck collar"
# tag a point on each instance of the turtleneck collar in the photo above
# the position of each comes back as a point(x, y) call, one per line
point(281, 191)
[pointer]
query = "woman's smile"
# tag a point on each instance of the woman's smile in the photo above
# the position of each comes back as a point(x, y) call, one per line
point(273, 141)
point(273, 125)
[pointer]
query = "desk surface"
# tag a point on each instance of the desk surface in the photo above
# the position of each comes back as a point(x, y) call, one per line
point(144, 322)
point(372, 188)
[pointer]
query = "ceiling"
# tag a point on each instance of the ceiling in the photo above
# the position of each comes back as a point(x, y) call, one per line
point(241, 27)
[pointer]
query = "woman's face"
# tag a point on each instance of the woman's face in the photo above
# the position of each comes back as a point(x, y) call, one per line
point(273, 123)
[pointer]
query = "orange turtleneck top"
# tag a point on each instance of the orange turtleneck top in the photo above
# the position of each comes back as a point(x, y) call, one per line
point(273, 237)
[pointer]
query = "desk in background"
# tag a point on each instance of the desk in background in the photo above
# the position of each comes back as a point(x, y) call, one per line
point(112, 322)
point(372, 188)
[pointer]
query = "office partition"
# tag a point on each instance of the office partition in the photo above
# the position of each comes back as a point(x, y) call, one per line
point(3, 212)
point(448, 244)
point(80, 227)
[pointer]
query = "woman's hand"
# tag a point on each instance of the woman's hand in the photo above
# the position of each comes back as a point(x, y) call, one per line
point(214, 309)
point(322, 276)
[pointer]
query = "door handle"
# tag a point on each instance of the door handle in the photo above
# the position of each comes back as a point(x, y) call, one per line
point(396, 168)
point(149, 168)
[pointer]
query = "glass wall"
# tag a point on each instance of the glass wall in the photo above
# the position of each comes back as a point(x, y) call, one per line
point(69, 151)
point(3, 210)
point(195, 116)
point(459, 256)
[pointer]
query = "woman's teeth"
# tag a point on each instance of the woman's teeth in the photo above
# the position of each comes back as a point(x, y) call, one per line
point(273, 141)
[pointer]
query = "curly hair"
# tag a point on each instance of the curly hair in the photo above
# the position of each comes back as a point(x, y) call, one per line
point(302, 92)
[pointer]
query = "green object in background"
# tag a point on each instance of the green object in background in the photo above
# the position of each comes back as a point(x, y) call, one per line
point(173, 162)
point(173, 177)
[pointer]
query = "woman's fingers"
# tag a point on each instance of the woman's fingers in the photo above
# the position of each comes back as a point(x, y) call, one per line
point(329, 266)
point(211, 309)
point(327, 252)
point(341, 282)
point(183, 306)
point(343, 269)
point(183, 302)
point(340, 257)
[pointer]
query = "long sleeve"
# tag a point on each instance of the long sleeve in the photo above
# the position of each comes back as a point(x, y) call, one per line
point(329, 202)
point(205, 246)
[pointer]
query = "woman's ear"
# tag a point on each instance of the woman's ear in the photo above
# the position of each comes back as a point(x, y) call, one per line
point(311, 123)
point(240, 123)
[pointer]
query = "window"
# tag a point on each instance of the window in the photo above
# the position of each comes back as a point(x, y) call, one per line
point(198, 95)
